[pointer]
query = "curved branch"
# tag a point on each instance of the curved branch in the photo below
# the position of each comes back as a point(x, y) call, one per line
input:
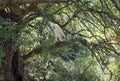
point(56, 46)
point(38, 1)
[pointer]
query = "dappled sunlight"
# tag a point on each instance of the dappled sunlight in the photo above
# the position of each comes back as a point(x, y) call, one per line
point(59, 40)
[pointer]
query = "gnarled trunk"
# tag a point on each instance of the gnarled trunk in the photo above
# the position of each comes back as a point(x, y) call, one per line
point(8, 60)
point(13, 64)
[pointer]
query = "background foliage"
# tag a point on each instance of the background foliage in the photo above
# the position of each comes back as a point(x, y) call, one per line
point(68, 41)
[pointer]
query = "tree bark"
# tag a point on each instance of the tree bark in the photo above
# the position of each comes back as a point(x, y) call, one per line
point(37, 1)
point(13, 68)
point(8, 60)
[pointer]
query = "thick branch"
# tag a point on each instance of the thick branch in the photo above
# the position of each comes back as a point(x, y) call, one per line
point(72, 41)
point(38, 1)
point(55, 46)
point(90, 45)
point(59, 45)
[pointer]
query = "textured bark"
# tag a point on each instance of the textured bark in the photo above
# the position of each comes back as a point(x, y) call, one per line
point(15, 67)
point(7, 3)
point(11, 71)
point(8, 60)
point(38, 1)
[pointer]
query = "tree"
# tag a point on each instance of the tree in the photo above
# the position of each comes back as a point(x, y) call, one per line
point(93, 23)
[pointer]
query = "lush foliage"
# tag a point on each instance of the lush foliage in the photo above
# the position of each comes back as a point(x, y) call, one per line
point(74, 41)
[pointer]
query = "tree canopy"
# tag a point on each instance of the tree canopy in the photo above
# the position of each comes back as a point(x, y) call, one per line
point(40, 27)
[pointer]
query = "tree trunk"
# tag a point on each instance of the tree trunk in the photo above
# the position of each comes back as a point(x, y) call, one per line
point(12, 63)
point(8, 60)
